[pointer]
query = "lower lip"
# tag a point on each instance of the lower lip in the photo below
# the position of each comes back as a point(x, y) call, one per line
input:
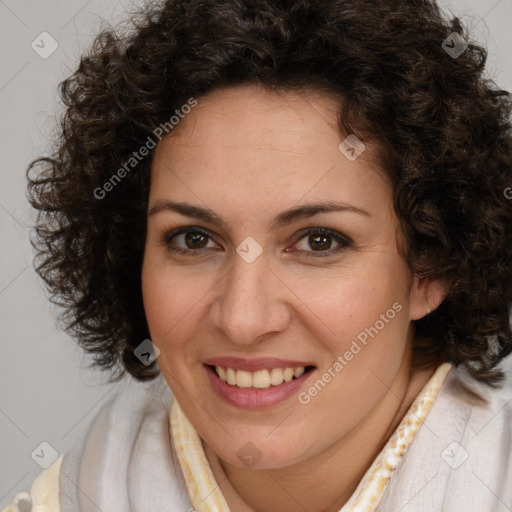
point(252, 398)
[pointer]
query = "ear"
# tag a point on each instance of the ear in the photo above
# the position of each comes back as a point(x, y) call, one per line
point(426, 295)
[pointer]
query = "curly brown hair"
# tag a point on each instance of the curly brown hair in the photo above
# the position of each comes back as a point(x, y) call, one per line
point(442, 128)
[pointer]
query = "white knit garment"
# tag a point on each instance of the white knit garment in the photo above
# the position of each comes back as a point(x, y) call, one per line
point(460, 459)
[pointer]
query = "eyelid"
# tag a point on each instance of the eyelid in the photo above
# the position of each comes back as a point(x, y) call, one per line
point(169, 235)
point(184, 229)
point(343, 240)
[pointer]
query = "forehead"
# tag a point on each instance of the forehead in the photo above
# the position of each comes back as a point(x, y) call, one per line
point(246, 141)
point(256, 115)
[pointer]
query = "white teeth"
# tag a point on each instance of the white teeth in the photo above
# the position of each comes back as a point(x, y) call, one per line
point(288, 374)
point(297, 372)
point(276, 376)
point(231, 376)
point(222, 373)
point(262, 379)
point(243, 379)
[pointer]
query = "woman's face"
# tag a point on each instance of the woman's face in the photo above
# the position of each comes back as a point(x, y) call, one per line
point(232, 278)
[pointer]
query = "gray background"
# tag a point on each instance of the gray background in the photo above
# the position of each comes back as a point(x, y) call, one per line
point(47, 393)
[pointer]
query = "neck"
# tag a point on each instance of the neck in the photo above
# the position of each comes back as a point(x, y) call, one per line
point(325, 482)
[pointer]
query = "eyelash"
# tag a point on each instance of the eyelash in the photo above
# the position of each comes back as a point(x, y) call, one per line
point(344, 241)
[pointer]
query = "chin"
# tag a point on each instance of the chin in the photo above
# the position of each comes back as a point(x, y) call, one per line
point(259, 452)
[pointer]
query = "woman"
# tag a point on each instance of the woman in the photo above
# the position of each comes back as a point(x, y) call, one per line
point(287, 222)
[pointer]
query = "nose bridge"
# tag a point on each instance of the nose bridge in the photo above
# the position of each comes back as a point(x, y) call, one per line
point(248, 305)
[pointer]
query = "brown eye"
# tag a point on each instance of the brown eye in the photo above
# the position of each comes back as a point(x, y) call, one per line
point(195, 240)
point(187, 241)
point(321, 240)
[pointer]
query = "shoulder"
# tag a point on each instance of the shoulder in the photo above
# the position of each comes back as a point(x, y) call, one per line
point(480, 399)
point(127, 454)
point(461, 457)
point(44, 494)
point(475, 414)
point(117, 446)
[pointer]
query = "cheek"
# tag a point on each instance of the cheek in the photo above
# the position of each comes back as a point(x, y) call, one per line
point(166, 299)
point(156, 299)
point(352, 300)
point(174, 303)
point(368, 313)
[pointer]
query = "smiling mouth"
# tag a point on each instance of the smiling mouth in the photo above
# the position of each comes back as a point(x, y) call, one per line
point(261, 379)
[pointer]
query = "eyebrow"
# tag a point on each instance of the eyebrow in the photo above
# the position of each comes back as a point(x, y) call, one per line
point(282, 219)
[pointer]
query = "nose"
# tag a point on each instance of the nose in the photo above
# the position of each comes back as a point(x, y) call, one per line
point(251, 302)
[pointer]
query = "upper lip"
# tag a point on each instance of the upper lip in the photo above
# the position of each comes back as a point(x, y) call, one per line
point(253, 365)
